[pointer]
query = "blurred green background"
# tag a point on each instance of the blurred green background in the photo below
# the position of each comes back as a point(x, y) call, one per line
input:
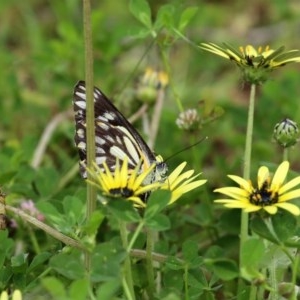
point(42, 58)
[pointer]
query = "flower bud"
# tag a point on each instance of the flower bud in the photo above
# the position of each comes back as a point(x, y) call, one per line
point(286, 133)
point(188, 120)
point(150, 83)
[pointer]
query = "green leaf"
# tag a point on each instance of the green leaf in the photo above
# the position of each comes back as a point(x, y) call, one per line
point(54, 287)
point(141, 10)
point(6, 245)
point(159, 222)
point(173, 279)
point(174, 263)
point(123, 210)
point(19, 263)
point(157, 201)
point(260, 228)
point(106, 261)
point(38, 260)
point(93, 223)
point(284, 225)
point(75, 209)
point(186, 17)
point(68, 265)
point(253, 251)
point(225, 269)
point(108, 289)
point(190, 250)
point(165, 17)
point(79, 289)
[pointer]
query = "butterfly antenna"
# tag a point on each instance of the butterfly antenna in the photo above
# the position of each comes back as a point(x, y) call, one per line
point(184, 149)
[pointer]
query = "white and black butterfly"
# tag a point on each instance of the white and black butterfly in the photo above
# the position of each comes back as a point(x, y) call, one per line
point(115, 137)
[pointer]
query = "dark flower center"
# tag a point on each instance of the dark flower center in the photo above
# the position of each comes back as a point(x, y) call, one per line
point(121, 192)
point(264, 196)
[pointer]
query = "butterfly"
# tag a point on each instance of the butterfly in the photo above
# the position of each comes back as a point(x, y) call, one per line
point(115, 137)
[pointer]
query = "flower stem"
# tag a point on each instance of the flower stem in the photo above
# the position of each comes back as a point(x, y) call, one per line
point(285, 154)
point(90, 126)
point(149, 263)
point(128, 281)
point(134, 236)
point(246, 174)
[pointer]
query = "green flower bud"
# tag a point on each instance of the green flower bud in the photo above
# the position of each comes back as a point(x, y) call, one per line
point(286, 133)
point(149, 84)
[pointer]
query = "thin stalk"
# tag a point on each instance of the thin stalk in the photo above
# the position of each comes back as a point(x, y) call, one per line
point(273, 280)
point(149, 263)
point(128, 283)
point(34, 241)
point(134, 236)
point(186, 285)
point(156, 117)
point(295, 267)
point(246, 175)
point(46, 228)
point(285, 154)
point(90, 128)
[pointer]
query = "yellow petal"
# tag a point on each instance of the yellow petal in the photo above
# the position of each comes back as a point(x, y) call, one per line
point(123, 173)
point(137, 201)
point(179, 179)
point(245, 184)
point(262, 175)
point(172, 177)
point(213, 48)
point(250, 51)
point(271, 209)
point(232, 203)
point(292, 208)
point(252, 208)
point(289, 185)
point(290, 195)
point(233, 192)
point(280, 175)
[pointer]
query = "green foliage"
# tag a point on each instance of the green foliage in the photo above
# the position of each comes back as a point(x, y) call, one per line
point(196, 251)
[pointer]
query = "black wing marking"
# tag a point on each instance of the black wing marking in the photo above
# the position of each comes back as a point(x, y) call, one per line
point(115, 137)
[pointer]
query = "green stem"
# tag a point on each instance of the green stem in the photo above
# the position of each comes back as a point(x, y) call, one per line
point(285, 154)
point(46, 228)
point(34, 240)
point(186, 286)
point(273, 279)
point(149, 263)
point(295, 267)
point(246, 175)
point(127, 278)
point(134, 236)
point(90, 127)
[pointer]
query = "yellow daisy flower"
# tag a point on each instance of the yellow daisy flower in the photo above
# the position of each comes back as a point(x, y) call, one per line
point(180, 184)
point(269, 195)
point(124, 183)
point(256, 64)
point(134, 185)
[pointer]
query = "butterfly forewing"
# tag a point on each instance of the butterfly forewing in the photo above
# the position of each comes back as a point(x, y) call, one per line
point(115, 137)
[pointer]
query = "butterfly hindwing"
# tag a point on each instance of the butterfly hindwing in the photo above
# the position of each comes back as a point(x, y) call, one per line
point(115, 137)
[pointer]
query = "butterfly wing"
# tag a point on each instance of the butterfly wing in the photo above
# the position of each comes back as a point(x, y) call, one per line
point(115, 137)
